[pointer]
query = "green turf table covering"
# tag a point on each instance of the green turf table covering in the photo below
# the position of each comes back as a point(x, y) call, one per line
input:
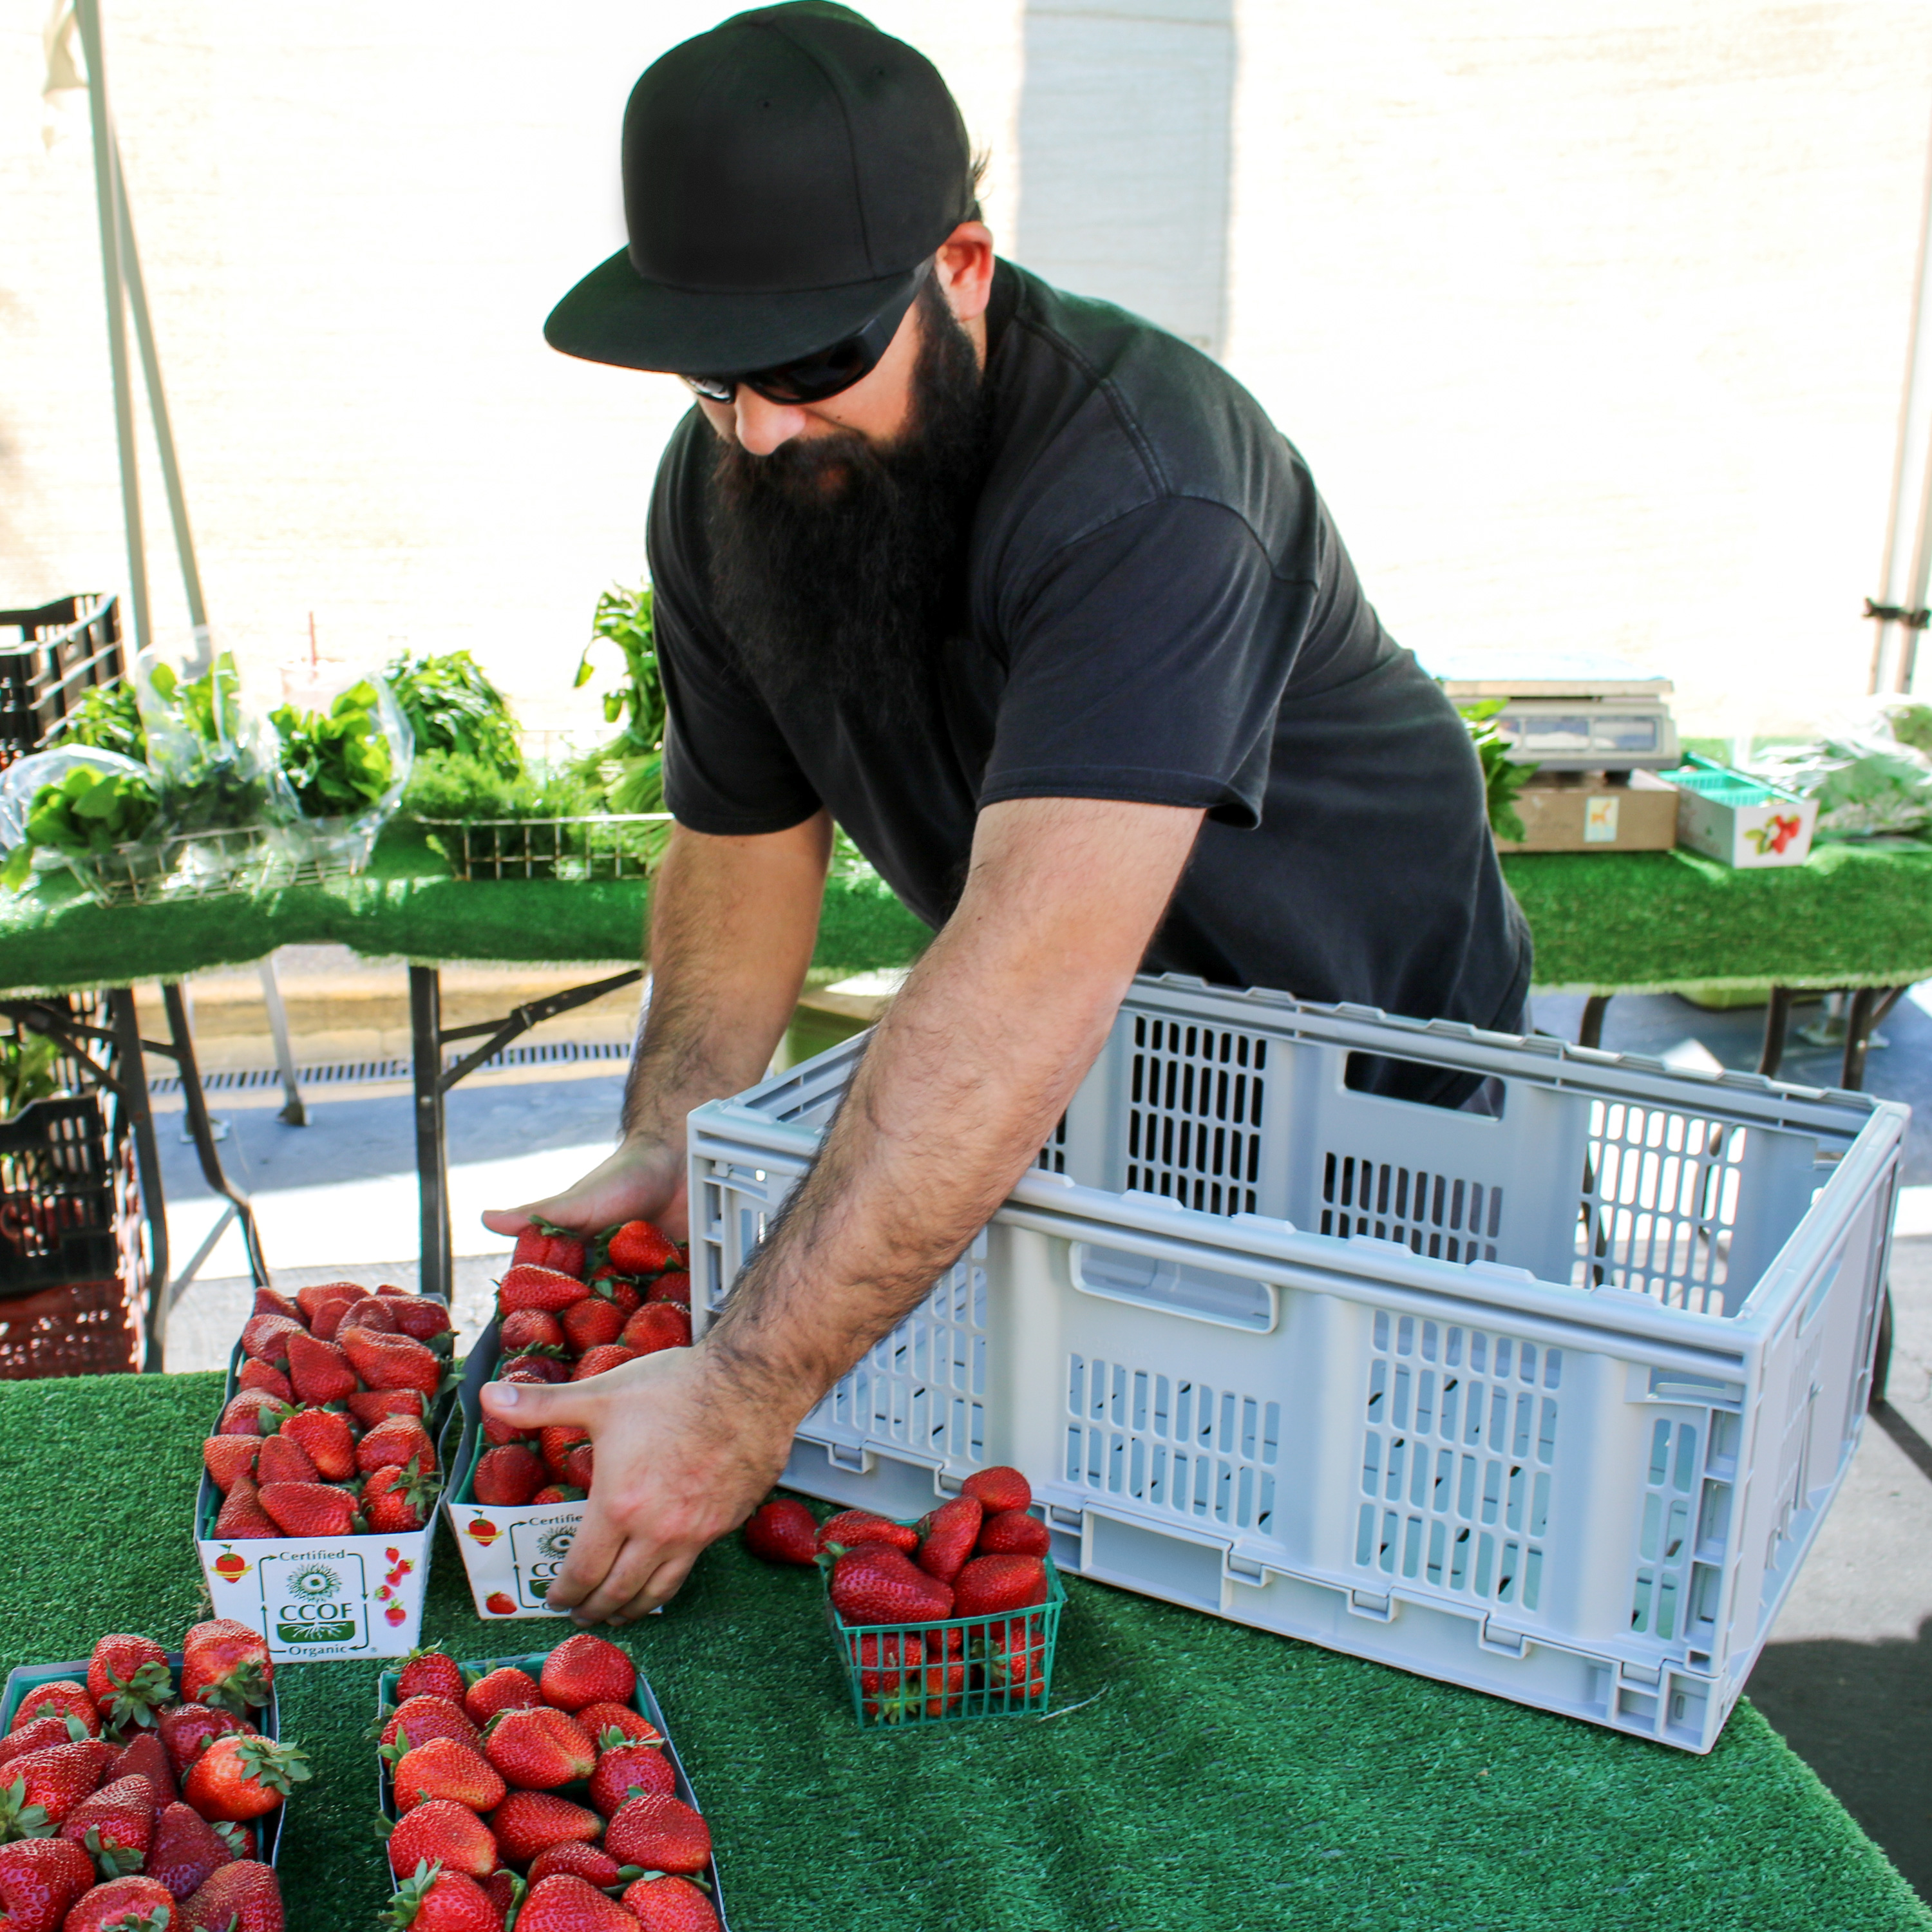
point(1193, 1774)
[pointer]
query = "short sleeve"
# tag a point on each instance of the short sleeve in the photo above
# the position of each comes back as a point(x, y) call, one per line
point(1148, 660)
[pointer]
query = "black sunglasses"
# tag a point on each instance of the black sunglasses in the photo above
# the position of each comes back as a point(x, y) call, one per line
point(828, 372)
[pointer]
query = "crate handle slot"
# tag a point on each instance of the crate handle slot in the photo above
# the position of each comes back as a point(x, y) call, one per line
point(847, 1457)
point(1143, 1280)
point(1491, 1635)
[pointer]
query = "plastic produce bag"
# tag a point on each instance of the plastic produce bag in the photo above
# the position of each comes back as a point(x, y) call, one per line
point(1864, 783)
point(345, 749)
point(95, 812)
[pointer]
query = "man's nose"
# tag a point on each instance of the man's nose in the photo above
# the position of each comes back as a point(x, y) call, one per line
point(762, 425)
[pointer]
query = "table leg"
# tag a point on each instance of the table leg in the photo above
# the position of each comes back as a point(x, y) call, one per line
point(1868, 1006)
point(201, 1129)
point(1777, 1024)
point(1591, 1033)
point(133, 1096)
point(438, 1266)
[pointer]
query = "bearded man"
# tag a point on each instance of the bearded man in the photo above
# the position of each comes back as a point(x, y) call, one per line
point(1030, 598)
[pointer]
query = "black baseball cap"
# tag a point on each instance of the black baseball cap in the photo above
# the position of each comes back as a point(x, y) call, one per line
point(785, 176)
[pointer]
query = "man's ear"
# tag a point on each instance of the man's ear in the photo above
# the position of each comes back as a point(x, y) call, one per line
point(964, 264)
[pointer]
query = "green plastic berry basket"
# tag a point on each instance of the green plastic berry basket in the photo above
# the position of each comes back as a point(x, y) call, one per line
point(953, 1670)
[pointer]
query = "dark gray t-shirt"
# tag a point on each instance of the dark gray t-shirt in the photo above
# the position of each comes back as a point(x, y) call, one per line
point(1160, 610)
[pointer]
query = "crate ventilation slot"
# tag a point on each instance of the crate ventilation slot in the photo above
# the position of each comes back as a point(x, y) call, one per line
point(1194, 1115)
point(1673, 1593)
point(1435, 1214)
point(1460, 1440)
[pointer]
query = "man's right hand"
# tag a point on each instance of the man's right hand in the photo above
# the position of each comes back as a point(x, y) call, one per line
point(643, 1180)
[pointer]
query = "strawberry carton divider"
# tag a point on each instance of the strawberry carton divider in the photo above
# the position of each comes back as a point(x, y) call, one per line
point(28, 1677)
point(642, 1702)
point(320, 1599)
point(509, 1555)
point(881, 1653)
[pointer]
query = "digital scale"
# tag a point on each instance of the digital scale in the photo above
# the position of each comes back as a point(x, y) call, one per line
point(1569, 711)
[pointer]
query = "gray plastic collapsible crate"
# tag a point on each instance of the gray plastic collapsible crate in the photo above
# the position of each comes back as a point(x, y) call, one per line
point(1549, 1403)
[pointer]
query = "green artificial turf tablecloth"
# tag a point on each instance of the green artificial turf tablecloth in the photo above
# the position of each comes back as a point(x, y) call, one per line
point(1193, 1774)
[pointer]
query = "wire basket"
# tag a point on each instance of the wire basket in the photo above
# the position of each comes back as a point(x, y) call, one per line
point(595, 845)
point(237, 859)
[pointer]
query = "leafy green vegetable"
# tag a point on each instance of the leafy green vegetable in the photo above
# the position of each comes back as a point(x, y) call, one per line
point(1911, 723)
point(86, 814)
point(631, 766)
point(1501, 780)
point(1861, 785)
point(452, 707)
point(452, 784)
point(338, 761)
point(197, 733)
point(106, 719)
point(27, 1064)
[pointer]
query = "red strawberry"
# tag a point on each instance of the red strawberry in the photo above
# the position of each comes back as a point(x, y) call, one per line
point(556, 1492)
point(625, 1771)
point(122, 1905)
point(393, 1361)
point(528, 1822)
point(400, 1439)
point(498, 1605)
point(600, 1361)
point(432, 1899)
point(39, 1736)
point(240, 1897)
point(673, 1285)
point(329, 1440)
point(557, 1441)
point(566, 1904)
point(328, 1322)
point(505, 1888)
point(186, 1852)
point(372, 1314)
point(65, 1699)
point(949, 1534)
point(251, 1412)
point(998, 1488)
point(505, 1688)
point(874, 1584)
point(129, 1680)
point(267, 1302)
point(254, 1374)
point(418, 1719)
point(370, 1406)
point(187, 1729)
point(309, 1509)
point(880, 1659)
point(441, 1768)
point(537, 1748)
point(1014, 1533)
point(114, 1825)
point(241, 1515)
point(989, 1584)
point(430, 1671)
point(588, 1862)
point(266, 1337)
point(283, 1460)
point(586, 1670)
point(226, 1457)
point(660, 1834)
point(579, 1464)
point(667, 1903)
point(590, 1323)
point(442, 1832)
point(311, 1301)
point(526, 1287)
point(533, 1328)
point(782, 1531)
point(243, 1777)
point(148, 1757)
point(507, 1477)
point(319, 1371)
point(1016, 1656)
point(396, 1501)
point(422, 1317)
point(602, 1720)
point(638, 1248)
point(543, 1244)
point(225, 1663)
point(657, 1325)
point(850, 1528)
point(623, 1295)
point(38, 1789)
point(532, 1368)
point(39, 1878)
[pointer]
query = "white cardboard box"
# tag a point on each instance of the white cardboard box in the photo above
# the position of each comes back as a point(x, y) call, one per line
point(1745, 821)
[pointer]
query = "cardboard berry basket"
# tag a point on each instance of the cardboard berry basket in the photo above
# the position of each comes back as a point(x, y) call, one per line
point(319, 1599)
point(642, 1702)
point(953, 1669)
point(509, 1555)
point(28, 1677)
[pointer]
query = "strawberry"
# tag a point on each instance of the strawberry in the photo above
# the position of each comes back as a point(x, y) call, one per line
point(241, 1515)
point(328, 1322)
point(613, 1724)
point(947, 1535)
point(874, 1584)
point(188, 1729)
point(148, 1757)
point(122, 1905)
point(283, 1460)
point(880, 1659)
point(240, 1897)
point(369, 1406)
point(589, 1862)
point(590, 1323)
point(65, 1699)
point(850, 1528)
point(310, 1509)
point(556, 1492)
point(400, 1439)
point(658, 1324)
point(433, 1899)
point(532, 1368)
point(38, 1789)
point(782, 1531)
point(311, 1301)
point(418, 1718)
point(507, 1477)
point(372, 1314)
point(586, 1670)
point(267, 1302)
point(39, 1878)
point(673, 1285)
point(579, 1463)
point(545, 1245)
point(421, 1317)
point(505, 1890)
point(1016, 1658)
point(1014, 1533)
point(599, 1361)
point(251, 1412)
point(660, 1834)
point(254, 1374)
point(497, 1604)
point(537, 1748)
point(319, 1371)
point(638, 1248)
point(556, 1442)
point(430, 1671)
point(393, 1361)
point(225, 1457)
point(129, 1680)
point(505, 1688)
point(441, 1768)
point(627, 1770)
point(665, 1902)
point(396, 1501)
point(439, 1831)
point(623, 1294)
point(329, 1440)
point(998, 1488)
point(186, 1852)
point(523, 1286)
point(533, 1328)
point(39, 1736)
point(567, 1903)
point(114, 1825)
point(990, 1584)
point(527, 1822)
point(265, 1338)
point(240, 1778)
point(226, 1664)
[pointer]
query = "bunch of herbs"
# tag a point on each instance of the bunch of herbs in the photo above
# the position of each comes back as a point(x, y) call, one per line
point(337, 761)
point(452, 707)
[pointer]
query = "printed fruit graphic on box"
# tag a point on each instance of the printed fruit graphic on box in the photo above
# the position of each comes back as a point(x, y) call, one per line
point(143, 1788)
point(542, 1785)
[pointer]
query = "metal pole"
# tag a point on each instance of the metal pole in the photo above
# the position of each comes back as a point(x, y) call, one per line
point(293, 1113)
point(106, 197)
point(437, 1273)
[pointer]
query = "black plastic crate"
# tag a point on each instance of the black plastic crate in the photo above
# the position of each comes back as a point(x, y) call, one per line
point(58, 1207)
point(64, 649)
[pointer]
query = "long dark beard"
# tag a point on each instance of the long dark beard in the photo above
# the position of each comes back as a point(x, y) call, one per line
point(839, 566)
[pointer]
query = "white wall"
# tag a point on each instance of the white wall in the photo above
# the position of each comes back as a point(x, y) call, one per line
point(1591, 322)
